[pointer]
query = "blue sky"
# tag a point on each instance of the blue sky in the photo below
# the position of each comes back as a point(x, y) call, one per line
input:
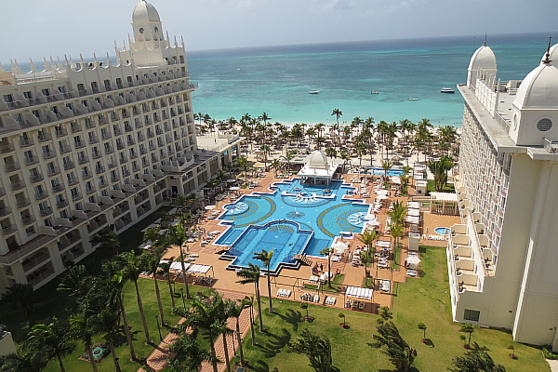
point(37, 28)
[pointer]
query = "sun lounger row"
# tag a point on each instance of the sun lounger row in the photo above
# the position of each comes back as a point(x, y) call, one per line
point(310, 297)
point(384, 285)
point(354, 304)
point(412, 272)
point(434, 237)
point(284, 293)
point(330, 300)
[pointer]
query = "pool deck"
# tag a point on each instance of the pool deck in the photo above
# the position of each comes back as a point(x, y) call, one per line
point(291, 279)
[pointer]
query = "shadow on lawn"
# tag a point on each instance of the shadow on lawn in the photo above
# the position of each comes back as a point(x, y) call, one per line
point(275, 343)
point(292, 317)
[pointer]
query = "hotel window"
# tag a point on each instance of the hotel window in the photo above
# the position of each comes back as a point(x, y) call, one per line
point(46, 92)
point(471, 315)
point(62, 89)
point(28, 95)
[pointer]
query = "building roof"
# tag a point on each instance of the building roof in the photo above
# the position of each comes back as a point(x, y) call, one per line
point(317, 160)
point(145, 12)
point(318, 166)
point(484, 59)
point(539, 88)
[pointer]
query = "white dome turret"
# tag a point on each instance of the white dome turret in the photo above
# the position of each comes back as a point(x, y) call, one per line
point(145, 12)
point(146, 23)
point(483, 61)
point(539, 88)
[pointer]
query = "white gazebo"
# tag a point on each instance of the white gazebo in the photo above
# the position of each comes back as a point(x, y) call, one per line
point(318, 169)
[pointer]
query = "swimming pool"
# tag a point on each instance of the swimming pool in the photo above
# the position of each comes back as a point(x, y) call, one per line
point(442, 230)
point(381, 172)
point(324, 216)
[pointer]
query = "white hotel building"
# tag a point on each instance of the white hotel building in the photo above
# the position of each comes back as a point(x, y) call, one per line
point(85, 145)
point(503, 257)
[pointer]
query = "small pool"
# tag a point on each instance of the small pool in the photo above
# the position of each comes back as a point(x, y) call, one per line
point(237, 208)
point(381, 172)
point(442, 230)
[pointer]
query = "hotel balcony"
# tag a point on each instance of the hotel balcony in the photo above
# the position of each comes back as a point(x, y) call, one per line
point(36, 259)
point(41, 276)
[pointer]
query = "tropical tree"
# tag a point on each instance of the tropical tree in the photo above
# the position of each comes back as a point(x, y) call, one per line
point(265, 149)
point(328, 251)
point(188, 355)
point(108, 242)
point(316, 348)
point(467, 328)
point(221, 328)
point(276, 165)
point(401, 355)
point(475, 360)
point(52, 340)
point(290, 155)
point(234, 310)
point(367, 238)
point(386, 166)
point(342, 315)
point(151, 263)
point(206, 314)
point(251, 274)
point(21, 294)
point(266, 257)
point(337, 113)
point(385, 314)
point(175, 236)
point(164, 269)
point(133, 265)
point(248, 302)
point(80, 329)
point(440, 171)
point(366, 257)
point(24, 360)
point(423, 327)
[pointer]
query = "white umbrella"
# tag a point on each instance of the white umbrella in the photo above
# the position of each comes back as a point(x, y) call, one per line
point(340, 246)
point(374, 223)
point(371, 217)
point(382, 192)
point(413, 260)
point(381, 197)
point(234, 188)
point(231, 180)
point(210, 207)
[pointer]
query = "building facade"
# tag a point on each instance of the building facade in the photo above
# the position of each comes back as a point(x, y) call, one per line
point(502, 257)
point(86, 145)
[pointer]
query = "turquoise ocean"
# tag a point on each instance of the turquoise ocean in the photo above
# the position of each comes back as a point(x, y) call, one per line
point(276, 80)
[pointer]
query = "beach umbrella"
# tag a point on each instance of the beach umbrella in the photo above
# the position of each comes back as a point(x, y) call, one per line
point(374, 223)
point(209, 207)
point(231, 180)
point(413, 260)
point(382, 192)
point(381, 197)
point(371, 217)
point(340, 247)
point(234, 188)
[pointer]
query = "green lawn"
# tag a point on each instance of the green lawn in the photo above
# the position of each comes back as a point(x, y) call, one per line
point(423, 300)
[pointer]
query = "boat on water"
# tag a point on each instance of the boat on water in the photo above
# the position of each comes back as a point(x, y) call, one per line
point(375, 92)
point(412, 99)
point(447, 90)
point(313, 91)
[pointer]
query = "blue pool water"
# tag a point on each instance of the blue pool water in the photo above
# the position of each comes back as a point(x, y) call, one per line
point(311, 215)
point(442, 230)
point(381, 172)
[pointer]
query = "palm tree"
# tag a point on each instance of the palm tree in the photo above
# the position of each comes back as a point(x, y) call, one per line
point(328, 252)
point(385, 314)
point(290, 155)
point(475, 360)
point(265, 149)
point(205, 313)
point(82, 330)
point(366, 257)
point(23, 360)
point(108, 241)
point(396, 231)
point(221, 328)
point(151, 262)
point(276, 165)
point(401, 355)
point(234, 310)
point(175, 236)
point(252, 275)
point(337, 113)
point(440, 171)
point(367, 238)
point(266, 257)
point(248, 301)
point(21, 294)
point(164, 269)
point(467, 328)
point(52, 339)
point(423, 327)
point(133, 266)
point(386, 166)
point(316, 348)
point(188, 355)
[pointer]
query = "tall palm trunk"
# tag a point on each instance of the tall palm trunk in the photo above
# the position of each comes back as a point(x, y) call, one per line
point(62, 369)
point(239, 340)
point(114, 358)
point(92, 359)
point(171, 293)
point(184, 277)
point(213, 351)
point(259, 306)
point(252, 325)
point(142, 314)
point(158, 294)
point(269, 291)
point(127, 330)
point(226, 350)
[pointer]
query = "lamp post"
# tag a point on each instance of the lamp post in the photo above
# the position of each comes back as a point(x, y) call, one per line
point(159, 327)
